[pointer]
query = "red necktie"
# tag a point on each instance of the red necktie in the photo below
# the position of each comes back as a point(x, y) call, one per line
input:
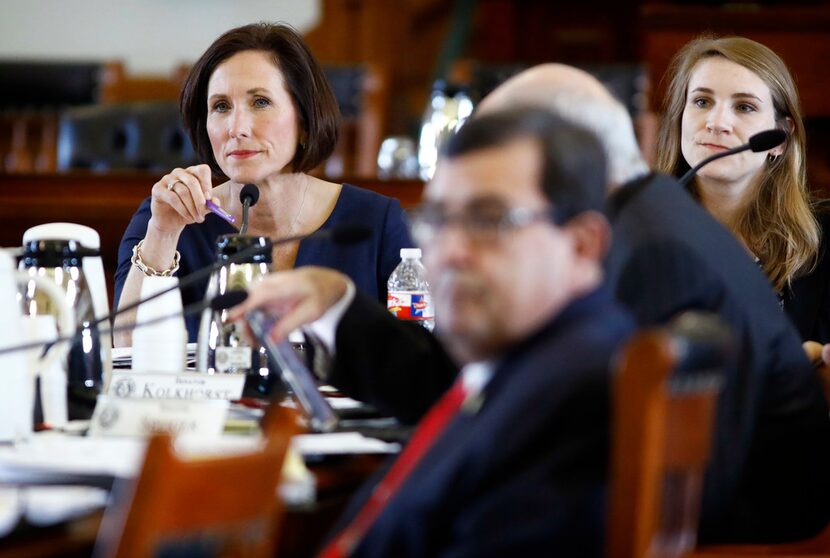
point(427, 432)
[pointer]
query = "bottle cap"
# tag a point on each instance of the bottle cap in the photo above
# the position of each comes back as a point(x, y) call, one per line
point(409, 253)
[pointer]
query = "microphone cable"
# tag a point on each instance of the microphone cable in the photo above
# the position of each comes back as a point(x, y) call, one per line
point(343, 234)
point(762, 141)
point(219, 302)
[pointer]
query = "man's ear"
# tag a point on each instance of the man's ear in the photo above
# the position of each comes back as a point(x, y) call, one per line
point(788, 126)
point(591, 233)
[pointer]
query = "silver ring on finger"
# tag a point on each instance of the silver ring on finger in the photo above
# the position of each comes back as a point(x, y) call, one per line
point(171, 184)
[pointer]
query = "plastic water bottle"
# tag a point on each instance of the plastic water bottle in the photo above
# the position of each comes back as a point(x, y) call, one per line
point(408, 295)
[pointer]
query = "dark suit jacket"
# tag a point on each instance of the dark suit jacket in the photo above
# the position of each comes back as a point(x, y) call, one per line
point(524, 473)
point(768, 479)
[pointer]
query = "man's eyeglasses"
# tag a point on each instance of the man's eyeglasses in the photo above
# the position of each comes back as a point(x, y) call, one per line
point(485, 225)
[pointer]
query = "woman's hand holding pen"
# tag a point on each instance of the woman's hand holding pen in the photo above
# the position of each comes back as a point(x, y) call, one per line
point(180, 198)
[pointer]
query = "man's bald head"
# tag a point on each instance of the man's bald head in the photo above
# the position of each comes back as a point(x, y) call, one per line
point(535, 85)
point(578, 97)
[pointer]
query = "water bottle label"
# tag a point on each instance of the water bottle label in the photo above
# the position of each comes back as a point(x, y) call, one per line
point(232, 358)
point(410, 305)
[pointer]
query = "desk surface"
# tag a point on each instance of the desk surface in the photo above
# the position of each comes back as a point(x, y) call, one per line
point(301, 531)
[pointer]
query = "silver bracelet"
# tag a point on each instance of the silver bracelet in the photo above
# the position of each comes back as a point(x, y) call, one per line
point(149, 271)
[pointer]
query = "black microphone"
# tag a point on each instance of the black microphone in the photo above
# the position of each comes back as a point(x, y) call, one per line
point(248, 196)
point(762, 141)
point(220, 302)
point(340, 234)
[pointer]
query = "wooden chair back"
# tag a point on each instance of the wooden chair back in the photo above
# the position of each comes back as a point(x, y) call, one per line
point(225, 506)
point(664, 402)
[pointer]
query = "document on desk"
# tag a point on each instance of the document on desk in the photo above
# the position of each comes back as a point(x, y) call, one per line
point(55, 458)
point(340, 443)
point(68, 476)
point(58, 454)
point(46, 505)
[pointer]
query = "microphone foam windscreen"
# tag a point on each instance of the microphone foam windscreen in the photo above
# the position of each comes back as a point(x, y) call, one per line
point(766, 140)
point(249, 192)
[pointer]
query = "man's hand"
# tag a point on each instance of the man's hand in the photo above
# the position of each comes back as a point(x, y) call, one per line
point(819, 355)
point(297, 297)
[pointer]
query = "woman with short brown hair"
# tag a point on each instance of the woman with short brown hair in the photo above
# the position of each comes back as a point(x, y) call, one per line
point(258, 110)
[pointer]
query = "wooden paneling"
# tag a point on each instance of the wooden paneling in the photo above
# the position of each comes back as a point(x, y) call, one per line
point(799, 34)
point(400, 39)
point(117, 86)
point(414, 42)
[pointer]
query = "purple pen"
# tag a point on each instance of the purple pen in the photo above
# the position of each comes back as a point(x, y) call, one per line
point(220, 212)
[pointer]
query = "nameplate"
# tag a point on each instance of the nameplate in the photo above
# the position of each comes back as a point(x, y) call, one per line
point(115, 416)
point(186, 386)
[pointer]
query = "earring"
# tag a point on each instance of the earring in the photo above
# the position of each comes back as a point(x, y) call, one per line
point(771, 158)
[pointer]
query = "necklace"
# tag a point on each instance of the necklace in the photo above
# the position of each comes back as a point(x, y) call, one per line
point(283, 255)
point(300, 210)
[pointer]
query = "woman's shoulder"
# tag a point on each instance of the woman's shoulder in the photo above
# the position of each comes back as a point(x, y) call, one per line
point(366, 203)
point(822, 261)
point(357, 195)
point(822, 213)
point(819, 267)
point(808, 298)
point(383, 215)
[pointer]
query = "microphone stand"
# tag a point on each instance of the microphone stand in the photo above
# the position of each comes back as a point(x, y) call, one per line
point(686, 178)
point(194, 277)
point(343, 234)
point(762, 141)
point(246, 206)
point(249, 195)
point(220, 302)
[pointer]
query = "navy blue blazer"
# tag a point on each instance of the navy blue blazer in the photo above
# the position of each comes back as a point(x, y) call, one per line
point(522, 472)
point(767, 481)
point(368, 263)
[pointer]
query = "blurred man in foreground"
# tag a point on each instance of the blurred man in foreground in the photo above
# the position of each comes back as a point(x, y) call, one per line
point(512, 459)
point(767, 481)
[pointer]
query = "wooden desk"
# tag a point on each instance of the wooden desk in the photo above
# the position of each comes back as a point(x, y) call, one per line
point(300, 534)
point(106, 202)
